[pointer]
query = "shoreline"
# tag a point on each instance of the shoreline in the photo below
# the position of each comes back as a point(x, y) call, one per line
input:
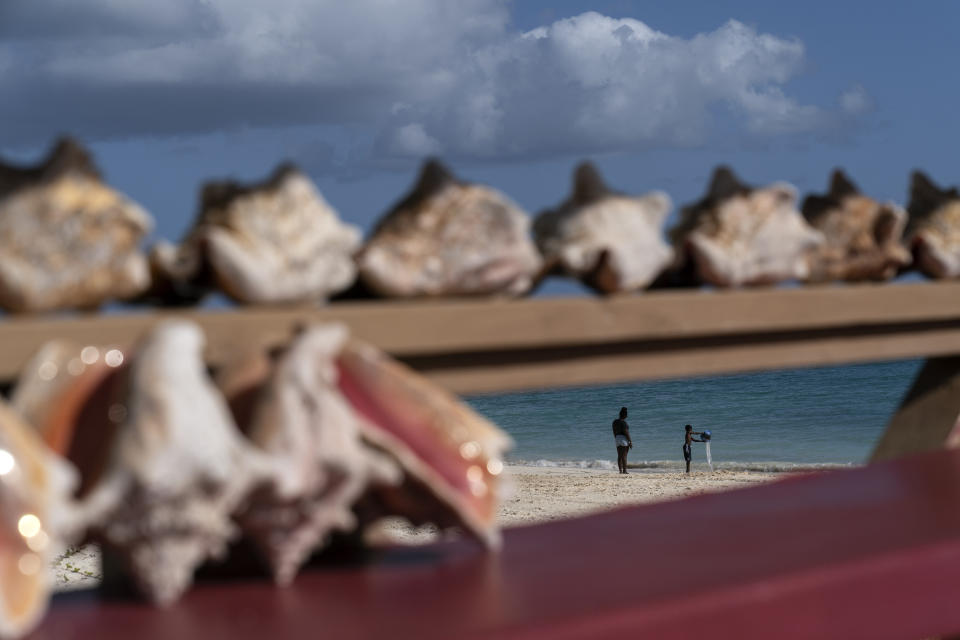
point(675, 466)
point(533, 494)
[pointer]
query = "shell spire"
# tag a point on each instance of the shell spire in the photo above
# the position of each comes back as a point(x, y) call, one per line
point(588, 184)
point(841, 185)
point(725, 184)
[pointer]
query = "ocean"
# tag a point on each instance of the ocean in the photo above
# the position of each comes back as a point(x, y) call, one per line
point(776, 420)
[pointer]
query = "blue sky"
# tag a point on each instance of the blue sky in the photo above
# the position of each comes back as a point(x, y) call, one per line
point(511, 94)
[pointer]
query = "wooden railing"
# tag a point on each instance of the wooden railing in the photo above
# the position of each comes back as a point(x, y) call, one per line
point(474, 346)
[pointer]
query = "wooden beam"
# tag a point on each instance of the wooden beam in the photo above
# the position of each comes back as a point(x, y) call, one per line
point(512, 370)
point(928, 414)
point(491, 345)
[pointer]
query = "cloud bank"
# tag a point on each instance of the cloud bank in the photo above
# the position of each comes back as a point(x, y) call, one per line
point(420, 76)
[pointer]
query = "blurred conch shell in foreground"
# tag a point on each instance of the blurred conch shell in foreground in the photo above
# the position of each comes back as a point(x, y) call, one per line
point(67, 240)
point(161, 464)
point(274, 242)
point(353, 436)
point(933, 229)
point(863, 236)
point(739, 235)
point(34, 489)
point(611, 241)
point(448, 237)
point(288, 405)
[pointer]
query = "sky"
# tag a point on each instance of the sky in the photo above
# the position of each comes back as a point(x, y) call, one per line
point(170, 94)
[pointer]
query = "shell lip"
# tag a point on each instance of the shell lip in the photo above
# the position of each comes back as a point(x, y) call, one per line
point(82, 417)
point(455, 463)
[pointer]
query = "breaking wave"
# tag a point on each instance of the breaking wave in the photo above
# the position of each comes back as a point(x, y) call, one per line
point(569, 464)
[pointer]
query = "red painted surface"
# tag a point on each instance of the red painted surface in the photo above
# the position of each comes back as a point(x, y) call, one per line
point(863, 553)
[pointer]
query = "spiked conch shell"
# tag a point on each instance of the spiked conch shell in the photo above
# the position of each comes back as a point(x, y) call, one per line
point(274, 242)
point(67, 240)
point(449, 237)
point(863, 236)
point(611, 241)
point(161, 464)
point(348, 428)
point(738, 235)
point(933, 229)
point(34, 488)
point(289, 407)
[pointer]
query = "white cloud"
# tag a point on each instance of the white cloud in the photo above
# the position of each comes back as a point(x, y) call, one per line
point(423, 76)
point(412, 140)
point(856, 101)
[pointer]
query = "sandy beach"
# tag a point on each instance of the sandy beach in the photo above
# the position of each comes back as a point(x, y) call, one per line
point(542, 494)
point(538, 494)
point(551, 493)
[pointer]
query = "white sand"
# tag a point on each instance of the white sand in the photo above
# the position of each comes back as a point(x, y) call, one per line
point(539, 494)
point(542, 494)
point(77, 568)
point(551, 493)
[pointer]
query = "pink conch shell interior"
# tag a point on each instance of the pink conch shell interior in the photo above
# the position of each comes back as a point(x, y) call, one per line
point(438, 440)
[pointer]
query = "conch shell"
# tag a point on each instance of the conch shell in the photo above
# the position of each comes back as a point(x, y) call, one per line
point(34, 489)
point(449, 237)
point(288, 405)
point(274, 242)
point(611, 241)
point(354, 436)
point(862, 235)
point(739, 235)
point(161, 464)
point(933, 229)
point(67, 240)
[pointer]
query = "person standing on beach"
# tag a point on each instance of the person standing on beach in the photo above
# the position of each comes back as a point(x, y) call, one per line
point(688, 438)
point(621, 435)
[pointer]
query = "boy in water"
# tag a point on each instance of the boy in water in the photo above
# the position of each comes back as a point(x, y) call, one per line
point(687, 454)
point(621, 435)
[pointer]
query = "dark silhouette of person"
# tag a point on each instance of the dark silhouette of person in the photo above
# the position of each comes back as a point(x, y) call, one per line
point(621, 435)
point(688, 438)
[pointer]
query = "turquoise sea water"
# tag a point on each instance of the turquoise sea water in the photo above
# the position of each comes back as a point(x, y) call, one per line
point(770, 420)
